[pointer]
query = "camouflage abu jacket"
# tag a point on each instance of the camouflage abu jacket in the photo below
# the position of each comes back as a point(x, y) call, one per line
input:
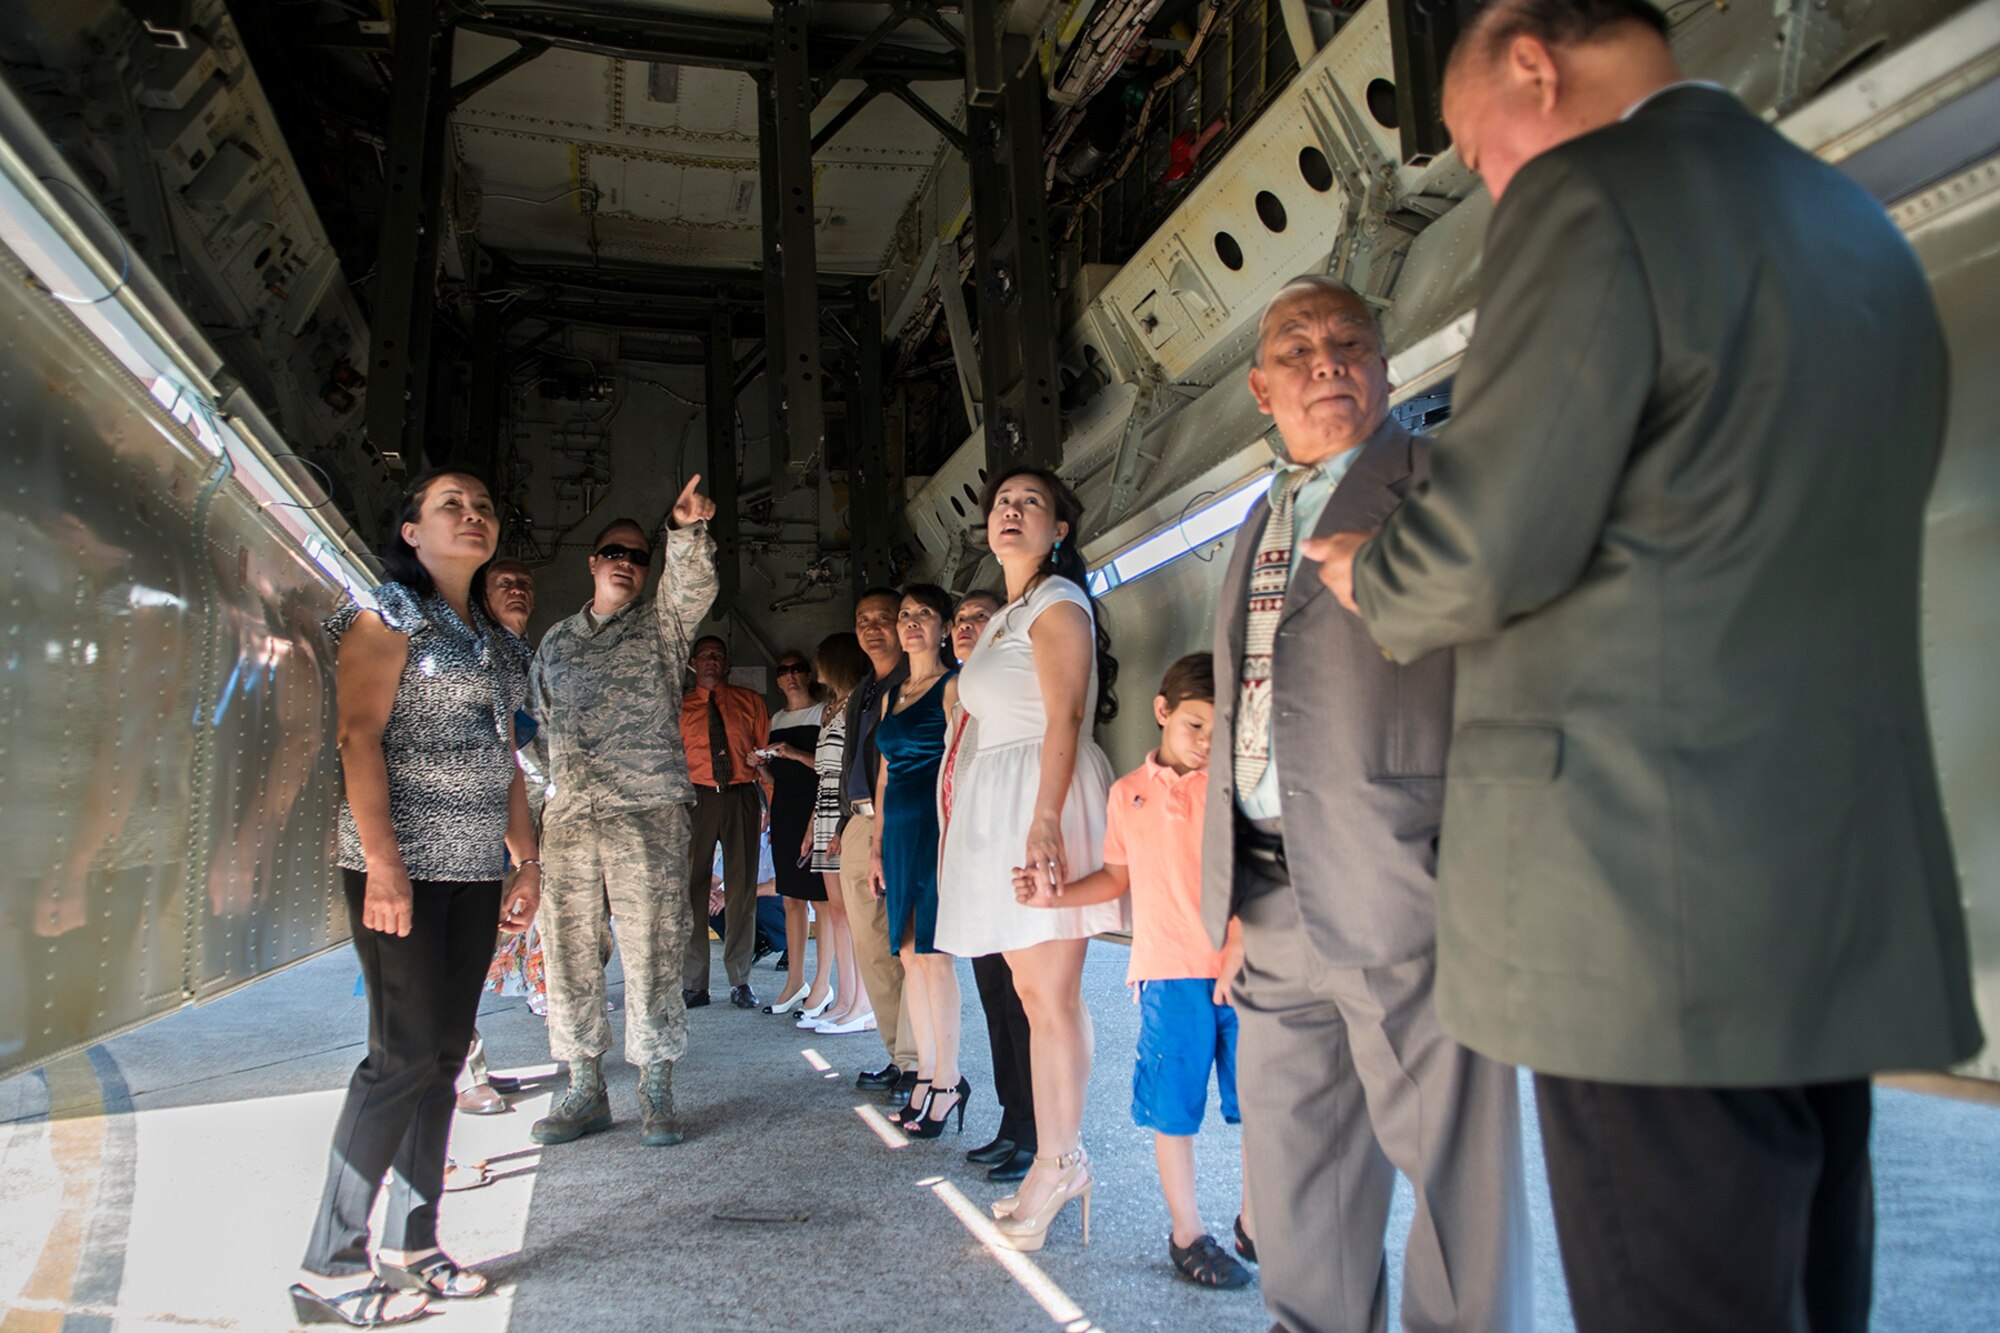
point(608, 694)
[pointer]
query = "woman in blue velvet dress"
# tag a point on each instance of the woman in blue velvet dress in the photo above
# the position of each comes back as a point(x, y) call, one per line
point(910, 737)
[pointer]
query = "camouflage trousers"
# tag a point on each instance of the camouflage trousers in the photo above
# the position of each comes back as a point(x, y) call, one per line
point(637, 860)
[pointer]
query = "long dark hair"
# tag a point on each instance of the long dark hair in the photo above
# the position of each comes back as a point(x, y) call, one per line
point(939, 601)
point(399, 558)
point(1066, 562)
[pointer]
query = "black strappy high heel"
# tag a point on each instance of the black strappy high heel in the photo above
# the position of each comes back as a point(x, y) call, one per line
point(913, 1110)
point(928, 1128)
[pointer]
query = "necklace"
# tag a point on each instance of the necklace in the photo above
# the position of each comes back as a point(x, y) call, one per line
point(914, 689)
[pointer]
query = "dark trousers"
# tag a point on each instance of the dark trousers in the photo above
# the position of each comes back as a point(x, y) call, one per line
point(1705, 1210)
point(729, 817)
point(1007, 1034)
point(423, 998)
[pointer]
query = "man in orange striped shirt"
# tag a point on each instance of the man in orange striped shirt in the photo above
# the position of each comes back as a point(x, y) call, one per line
point(723, 727)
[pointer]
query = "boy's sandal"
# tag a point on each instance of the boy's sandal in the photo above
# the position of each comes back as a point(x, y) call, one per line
point(435, 1275)
point(459, 1176)
point(1207, 1264)
point(375, 1305)
point(1244, 1245)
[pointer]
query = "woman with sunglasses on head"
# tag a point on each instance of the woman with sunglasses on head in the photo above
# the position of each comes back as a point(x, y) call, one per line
point(1042, 675)
point(427, 686)
point(794, 792)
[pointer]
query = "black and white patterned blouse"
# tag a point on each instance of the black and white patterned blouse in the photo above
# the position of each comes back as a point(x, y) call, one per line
point(446, 741)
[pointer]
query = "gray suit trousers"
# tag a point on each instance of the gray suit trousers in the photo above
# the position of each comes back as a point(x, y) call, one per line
point(1345, 1083)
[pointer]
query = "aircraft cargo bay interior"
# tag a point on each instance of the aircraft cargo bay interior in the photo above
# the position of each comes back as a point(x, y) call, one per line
point(746, 645)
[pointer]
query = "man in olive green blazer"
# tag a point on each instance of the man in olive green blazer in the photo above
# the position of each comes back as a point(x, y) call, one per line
point(1694, 870)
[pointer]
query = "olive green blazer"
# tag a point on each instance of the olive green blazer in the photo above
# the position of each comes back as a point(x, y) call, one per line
point(1691, 831)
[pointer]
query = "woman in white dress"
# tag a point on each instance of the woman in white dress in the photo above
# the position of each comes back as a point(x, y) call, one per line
point(1033, 793)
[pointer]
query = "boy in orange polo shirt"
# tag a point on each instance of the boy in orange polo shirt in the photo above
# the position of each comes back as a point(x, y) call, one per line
point(1152, 850)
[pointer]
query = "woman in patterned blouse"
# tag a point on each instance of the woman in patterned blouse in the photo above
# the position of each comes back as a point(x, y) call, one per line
point(427, 686)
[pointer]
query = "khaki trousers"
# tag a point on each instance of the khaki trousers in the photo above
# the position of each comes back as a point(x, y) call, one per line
point(729, 818)
point(631, 861)
point(868, 919)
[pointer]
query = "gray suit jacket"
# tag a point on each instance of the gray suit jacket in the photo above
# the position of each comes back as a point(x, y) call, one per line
point(1692, 832)
point(1358, 744)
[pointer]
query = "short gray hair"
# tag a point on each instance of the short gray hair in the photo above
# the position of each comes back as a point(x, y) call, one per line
point(1306, 283)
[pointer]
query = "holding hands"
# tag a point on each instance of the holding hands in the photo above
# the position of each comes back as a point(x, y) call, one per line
point(1032, 889)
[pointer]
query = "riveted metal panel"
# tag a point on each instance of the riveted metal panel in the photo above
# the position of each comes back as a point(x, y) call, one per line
point(167, 779)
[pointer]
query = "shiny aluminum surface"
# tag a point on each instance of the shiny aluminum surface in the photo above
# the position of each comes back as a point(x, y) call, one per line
point(167, 773)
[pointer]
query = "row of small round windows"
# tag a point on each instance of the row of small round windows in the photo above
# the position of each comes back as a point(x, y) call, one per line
point(1314, 170)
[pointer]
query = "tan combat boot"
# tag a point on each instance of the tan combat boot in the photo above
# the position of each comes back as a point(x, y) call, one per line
point(585, 1108)
point(659, 1127)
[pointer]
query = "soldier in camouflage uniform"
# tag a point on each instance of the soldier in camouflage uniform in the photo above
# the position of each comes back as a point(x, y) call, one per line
point(606, 687)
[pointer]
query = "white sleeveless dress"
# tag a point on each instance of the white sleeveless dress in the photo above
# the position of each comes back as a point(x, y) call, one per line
point(994, 796)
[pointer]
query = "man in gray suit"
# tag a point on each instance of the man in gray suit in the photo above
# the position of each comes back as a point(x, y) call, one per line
point(1695, 872)
point(1320, 835)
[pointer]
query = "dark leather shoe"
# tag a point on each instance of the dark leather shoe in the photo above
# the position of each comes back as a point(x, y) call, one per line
point(906, 1083)
point(991, 1154)
point(694, 999)
point(1015, 1168)
point(743, 997)
point(878, 1080)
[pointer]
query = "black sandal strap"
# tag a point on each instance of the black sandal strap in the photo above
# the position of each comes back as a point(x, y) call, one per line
point(1205, 1263)
point(363, 1307)
point(436, 1274)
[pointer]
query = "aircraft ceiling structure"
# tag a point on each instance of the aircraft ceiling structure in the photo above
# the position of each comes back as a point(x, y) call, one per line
point(603, 157)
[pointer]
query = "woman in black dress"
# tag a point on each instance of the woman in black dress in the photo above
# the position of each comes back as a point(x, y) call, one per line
point(794, 789)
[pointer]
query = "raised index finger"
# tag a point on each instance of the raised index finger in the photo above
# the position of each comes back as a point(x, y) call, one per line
point(687, 491)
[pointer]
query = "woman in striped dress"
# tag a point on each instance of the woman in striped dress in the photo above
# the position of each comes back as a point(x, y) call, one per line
point(841, 666)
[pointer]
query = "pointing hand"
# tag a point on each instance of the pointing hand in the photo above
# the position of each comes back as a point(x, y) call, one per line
point(692, 507)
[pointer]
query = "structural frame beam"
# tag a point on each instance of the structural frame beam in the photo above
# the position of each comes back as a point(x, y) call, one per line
point(696, 39)
point(406, 276)
point(528, 49)
point(1015, 270)
point(799, 430)
point(719, 411)
point(870, 504)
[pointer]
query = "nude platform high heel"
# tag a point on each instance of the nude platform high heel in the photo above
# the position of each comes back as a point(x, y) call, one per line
point(1028, 1234)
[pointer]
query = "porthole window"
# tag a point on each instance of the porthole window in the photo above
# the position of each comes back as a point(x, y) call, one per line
point(971, 496)
point(1228, 251)
point(1381, 99)
point(1270, 210)
point(959, 508)
point(1314, 169)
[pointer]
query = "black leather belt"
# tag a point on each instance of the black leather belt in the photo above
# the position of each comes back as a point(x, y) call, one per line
point(1261, 852)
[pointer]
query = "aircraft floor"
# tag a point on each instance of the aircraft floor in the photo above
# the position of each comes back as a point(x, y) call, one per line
point(167, 1178)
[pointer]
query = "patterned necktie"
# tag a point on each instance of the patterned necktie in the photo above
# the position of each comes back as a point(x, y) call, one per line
point(718, 745)
point(1268, 578)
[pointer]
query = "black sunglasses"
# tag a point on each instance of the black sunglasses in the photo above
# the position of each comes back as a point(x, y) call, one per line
point(791, 668)
point(638, 555)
